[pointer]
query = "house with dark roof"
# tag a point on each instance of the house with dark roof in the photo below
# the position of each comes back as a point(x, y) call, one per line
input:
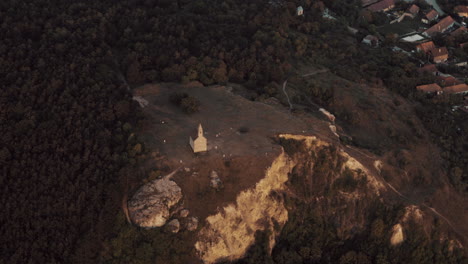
point(439, 54)
point(456, 89)
point(368, 2)
point(382, 6)
point(430, 16)
point(430, 68)
point(413, 10)
point(461, 10)
point(430, 88)
point(459, 31)
point(442, 26)
point(448, 80)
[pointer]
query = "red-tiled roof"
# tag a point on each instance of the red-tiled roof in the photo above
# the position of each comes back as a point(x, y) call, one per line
point(426, 46)
point(428, 68)
point(440, 27)
point(461, 9)
point(428, 88)
point(439, 52)
point(459, 88)
point(432, 15)
point(414, 9)
point(459, 31)
point(448, 81)
point(379, 6)
point(368, 2)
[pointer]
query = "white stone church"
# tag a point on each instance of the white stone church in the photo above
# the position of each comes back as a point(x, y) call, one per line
point(199, 144)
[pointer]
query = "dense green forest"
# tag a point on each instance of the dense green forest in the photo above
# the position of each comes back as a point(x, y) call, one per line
point(67, 118)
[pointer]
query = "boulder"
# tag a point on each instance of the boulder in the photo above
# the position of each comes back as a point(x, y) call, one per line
point(215, 181)
point(150, 205)
point(173, 226)
point(184, 213)
point(191, 223)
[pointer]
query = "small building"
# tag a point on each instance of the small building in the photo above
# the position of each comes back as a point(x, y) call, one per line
point(457, 89)
point(430, 68)
point(461, 10)
point(199, 144)
point(371, 40)
point(430, 88)
point(425, 47)
point(448, 80)
point(442, 26)
point(413, 10)
point(382, 6)
point(299, 11)
point(430, 16)
point(439, 54)
point(365, 3)
point(459, 31)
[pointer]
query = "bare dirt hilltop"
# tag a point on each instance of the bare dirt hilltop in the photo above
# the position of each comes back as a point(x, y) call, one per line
point(240, 139)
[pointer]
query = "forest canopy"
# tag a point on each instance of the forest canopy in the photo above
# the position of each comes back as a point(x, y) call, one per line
point(66, 111)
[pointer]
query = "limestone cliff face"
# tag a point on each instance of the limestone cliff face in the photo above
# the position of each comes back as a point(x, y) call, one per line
point(229, 233)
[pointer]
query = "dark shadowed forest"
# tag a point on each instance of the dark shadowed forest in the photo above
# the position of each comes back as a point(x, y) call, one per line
point(67, 117)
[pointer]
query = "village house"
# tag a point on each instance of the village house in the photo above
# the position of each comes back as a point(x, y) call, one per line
point(442, 26)
point(300, 11)
point(365, 3)
point(413, 10)
point(371, 40)
point(461, 10)
point(439, 54)
point(382, 6)
point(430, 88)
point(448, 80)
point(430, 68)
point(459, 31)
point(430, 16)
point(425, 47)
point(457, 89)
point(199, 144)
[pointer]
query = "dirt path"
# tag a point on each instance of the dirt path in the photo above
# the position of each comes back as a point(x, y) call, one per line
point(304, 75)
point(285, 93)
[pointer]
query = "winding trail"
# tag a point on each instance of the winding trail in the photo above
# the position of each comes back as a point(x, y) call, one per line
point(285, 93)
point(304, 75)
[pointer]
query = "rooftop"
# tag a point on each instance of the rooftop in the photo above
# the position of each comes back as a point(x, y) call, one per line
point(459, 88)
point(461, 9)
point(382, 5)
point(429, 88)
point(437, 52)
point(414, 9)
point(426, 46)
point(440, 27)
point(428, 68)
point(432, 14)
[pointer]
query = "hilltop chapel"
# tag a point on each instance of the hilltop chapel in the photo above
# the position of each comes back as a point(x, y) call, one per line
point(200, 142)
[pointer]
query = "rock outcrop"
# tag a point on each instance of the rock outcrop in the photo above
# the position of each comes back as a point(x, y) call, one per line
point(191, 223)
point(173, 226)
point(151, 204)
point(228, 234)
point(215, 181)
point(184, 213)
